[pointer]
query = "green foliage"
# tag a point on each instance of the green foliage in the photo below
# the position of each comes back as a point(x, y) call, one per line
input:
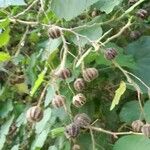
point(32, 62)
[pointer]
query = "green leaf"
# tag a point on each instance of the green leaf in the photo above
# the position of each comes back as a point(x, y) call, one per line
point(44, 123)
point(107, 6)
point(5, 108)
point(51, 46)
point(57, 132)
point(4, 131)
point(4, 23)
point(38, 82)
point(147, 111)
point(92, 33)
point(118, 93)
point(140, 50)
point(69, 9)
point(6, 3)
point(16, 147)
point(132, 142)
point(49, 95)
point(4, 37)
point(40, 139)
point(4, 57)
point(130, 112)
point(52, 148)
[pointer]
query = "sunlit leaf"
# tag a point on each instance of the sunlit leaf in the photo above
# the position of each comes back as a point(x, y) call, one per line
point(4, 56)
point(118, 93)
point(4, 37)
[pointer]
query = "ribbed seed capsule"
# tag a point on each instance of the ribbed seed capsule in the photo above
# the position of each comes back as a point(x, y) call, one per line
point(110, 53)
point(76, 147)
point(137, 125)
point(90, 74)
point(63, 73)
point(54, 32)
point(58, 101)
point(135, 35)
point(72, 130)
point(142, 13)
point(146, 130)
point(34, 114)
point(17, 79)
point(79, 100)
point(79, 84)
point(82, 120)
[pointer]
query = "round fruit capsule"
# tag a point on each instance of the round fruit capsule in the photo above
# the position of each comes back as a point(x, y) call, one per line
point(63, 73)
point(82, 120)
point(34, 114)
point(142, 13)
point(90, 74)
point(72, 130)
point(79, 100)
point(79, 84)
point(135, 35)
point(146, 130)
point(58, 101)
point(137, 125)
point(110, 53)
point(54, 32)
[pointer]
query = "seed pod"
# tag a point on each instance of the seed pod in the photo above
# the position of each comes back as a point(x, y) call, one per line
point(110, 53)
point(79, 100)
point(17, 79)
point(58, 101)
point(34, 114)
point(76, 147)
point(146, 130)
point(63, 73)
point(79, 84)
point(131, 2)
point(135, 35)
point(82, 120)
point(90, 74)
point(137, 125)
point(72, 130)
point(142, 13)
point(54, 32)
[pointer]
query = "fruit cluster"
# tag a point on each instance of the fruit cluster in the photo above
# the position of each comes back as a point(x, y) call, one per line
point(139, 126)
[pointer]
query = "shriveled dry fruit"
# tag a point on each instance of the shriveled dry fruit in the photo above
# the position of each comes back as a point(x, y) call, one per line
point(146, 130)
point(54, 32)
point(63, 73)
point(34, 114)
point(110, 53)
point(142, 13)
point(82, 120)
point(135, 35)
point(89, 74)
point(79, 84)
point(72, 130)
point(131, 2)
point(76, 147)
point(79, 100)
point(58, 101)
point(17, 79)
point(137, 125)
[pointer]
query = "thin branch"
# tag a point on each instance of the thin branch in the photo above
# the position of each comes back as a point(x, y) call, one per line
point(92, 138)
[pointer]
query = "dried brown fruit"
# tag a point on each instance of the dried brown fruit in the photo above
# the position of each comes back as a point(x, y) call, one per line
point(110, 53)
point(79, 100)
point(72, 130)
point(76, 147)
point(79, 84)
point(58, 101)
point(146, 130)
point(82, 120)
point(54, 32)
point(63, 73)
point(135, 35)
point(137, 125)
point(90, 74)
point(17, 79)
point(131, 2)
point(34, 114)
point(142, 13)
